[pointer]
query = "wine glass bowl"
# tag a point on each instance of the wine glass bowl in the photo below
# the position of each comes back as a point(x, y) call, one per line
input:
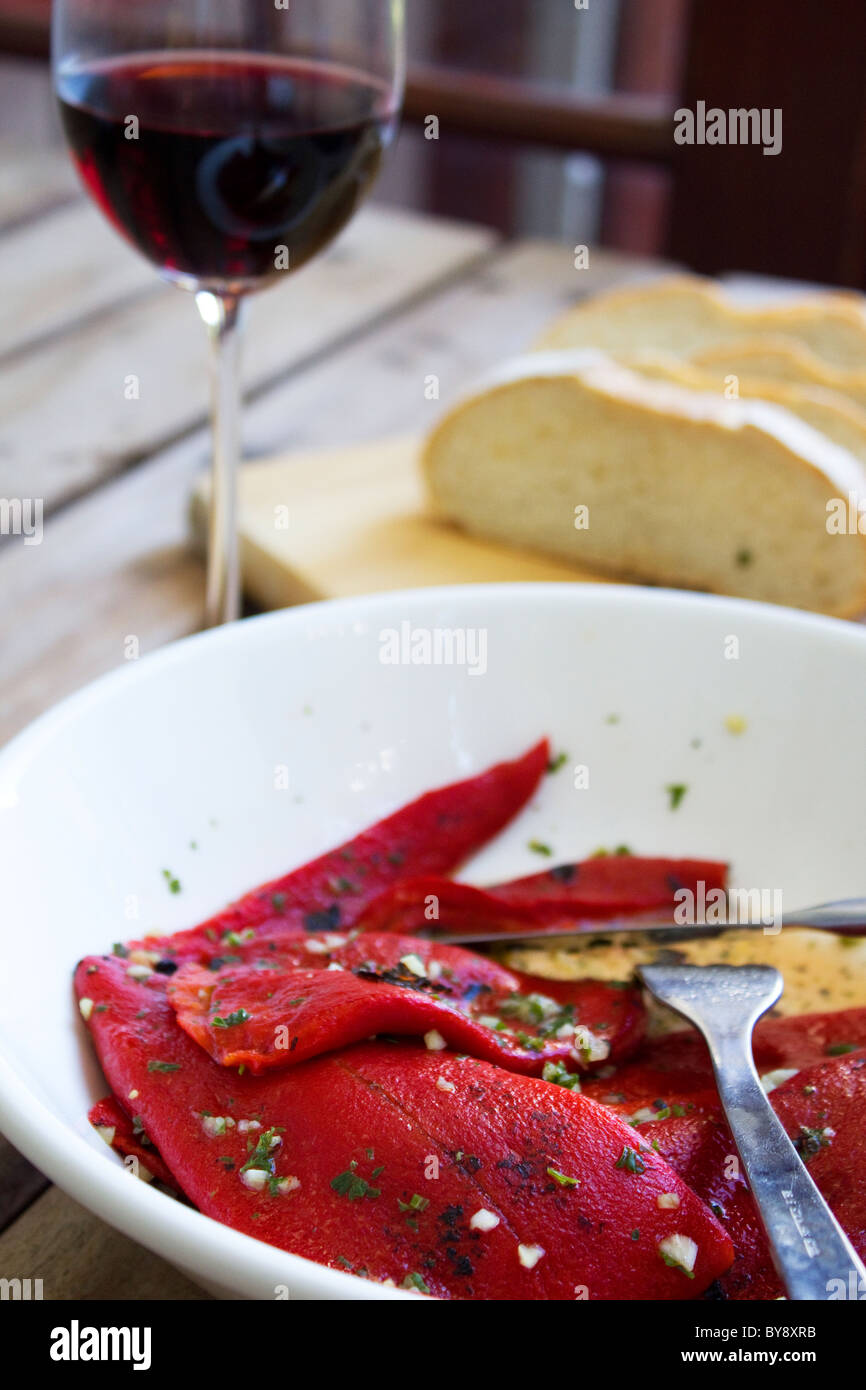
point(229, 142)
point(224, 169)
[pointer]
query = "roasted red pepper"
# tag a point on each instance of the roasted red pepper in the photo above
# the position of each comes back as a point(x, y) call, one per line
point(821, 1108)
point(676, 1069)
point(317, 994)
point(127, 1137)
point(615, 884)
point(440, 1173)
point(432, 835)
point(599, 888)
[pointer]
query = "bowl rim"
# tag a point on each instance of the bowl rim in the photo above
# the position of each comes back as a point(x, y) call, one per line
point(170, 1229)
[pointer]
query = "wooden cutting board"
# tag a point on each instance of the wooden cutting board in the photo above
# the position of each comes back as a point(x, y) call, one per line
point(354, 521)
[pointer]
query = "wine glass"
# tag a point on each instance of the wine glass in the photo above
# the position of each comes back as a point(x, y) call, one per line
point(229, 141)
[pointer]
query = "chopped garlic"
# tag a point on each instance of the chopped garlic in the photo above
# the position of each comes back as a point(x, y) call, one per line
point(144, 957)
point(735, 724)
point(334, 942)
point(335, 966)
point(214, 1125)
point(133, 1095)
point(771, 1079)
point(483, 1220)
point(255, 1178)
point(414, 964)
point(317, 948)
point(86, 1008)
point(244, 1126)
point(679, 1250)
point(106, 1132)
point(588, 1047)
point(529, 1255)
point(285, 1185)
point(434, 970)
point(445, 1085)
point(434, 1042)
point(139, 972)
point(489, 1020)
point(667, 1200)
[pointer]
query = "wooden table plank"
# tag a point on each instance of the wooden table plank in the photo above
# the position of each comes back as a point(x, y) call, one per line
point(20, 1184)
point(32, 184)
point(62, 268)
point(79, 1257)
point(67, 419)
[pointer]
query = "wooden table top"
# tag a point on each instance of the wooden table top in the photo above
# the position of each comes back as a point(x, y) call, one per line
point(399, 297)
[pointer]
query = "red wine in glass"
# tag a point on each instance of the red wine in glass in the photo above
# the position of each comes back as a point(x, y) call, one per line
point(222, 168)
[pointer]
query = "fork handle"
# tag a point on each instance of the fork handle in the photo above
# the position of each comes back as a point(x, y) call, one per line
point(810, 1250)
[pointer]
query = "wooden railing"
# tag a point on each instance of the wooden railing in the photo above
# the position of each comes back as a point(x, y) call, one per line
point(613, 127)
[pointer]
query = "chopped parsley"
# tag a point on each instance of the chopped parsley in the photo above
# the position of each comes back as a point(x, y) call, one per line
point(162, 1066)
point(676, 791)
point(809, 1141)
point(261, 1157)
point(350, 1184)
point(416, 1203)
point(559, 1075)
point(558, 762)
point(172, 882)
point(841, 1049)
point(630, 1162)
point(539, 847)
point(232, 1020)
point(562, 1178)
point(414, 1281)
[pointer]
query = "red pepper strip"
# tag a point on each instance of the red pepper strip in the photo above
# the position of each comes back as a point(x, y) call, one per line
point(617, 886)
point(821, 1109)
point(431, 835)
point(394, 1150)
point(677, 1068)
point(109, 1115)
point(701, 1150)
point(524, 1140)
point(318, 994)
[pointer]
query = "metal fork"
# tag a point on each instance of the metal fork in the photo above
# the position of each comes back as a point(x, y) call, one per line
point(724, 1002)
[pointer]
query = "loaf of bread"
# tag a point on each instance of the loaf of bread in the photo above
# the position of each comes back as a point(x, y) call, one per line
point(578, 457)
point(781, 359)
point(685, 315)
point(836, 416)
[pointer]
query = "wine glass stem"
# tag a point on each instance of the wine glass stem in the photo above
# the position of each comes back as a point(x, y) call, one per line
point(223, 319)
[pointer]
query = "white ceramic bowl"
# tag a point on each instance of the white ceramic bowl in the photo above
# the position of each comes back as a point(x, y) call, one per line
point(193, 744)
